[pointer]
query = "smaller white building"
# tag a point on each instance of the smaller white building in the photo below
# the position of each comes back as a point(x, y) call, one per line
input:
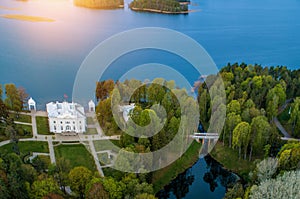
point(126, 110)
point(92, 106)
point(31, 105)
point(66, 117)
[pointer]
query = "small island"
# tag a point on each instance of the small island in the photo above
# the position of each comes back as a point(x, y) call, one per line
point(160, 6)
point(100, 4)
point(28, 18)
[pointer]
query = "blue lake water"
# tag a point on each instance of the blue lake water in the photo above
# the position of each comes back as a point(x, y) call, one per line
point(44, 57)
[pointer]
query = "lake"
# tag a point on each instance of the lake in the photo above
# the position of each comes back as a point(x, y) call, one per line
point(44, 57)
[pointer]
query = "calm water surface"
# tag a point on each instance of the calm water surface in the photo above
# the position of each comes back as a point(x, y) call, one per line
point(206, 179)
point(44, 57)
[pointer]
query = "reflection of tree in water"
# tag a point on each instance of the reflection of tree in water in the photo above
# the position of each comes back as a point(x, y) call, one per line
point(217, 174)
point(179, 186)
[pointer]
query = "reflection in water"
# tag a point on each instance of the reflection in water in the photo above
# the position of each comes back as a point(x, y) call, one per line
point(206, 179)
point(217, 174)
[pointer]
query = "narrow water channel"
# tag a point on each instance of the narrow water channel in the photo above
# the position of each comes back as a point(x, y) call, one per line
point(205, 179)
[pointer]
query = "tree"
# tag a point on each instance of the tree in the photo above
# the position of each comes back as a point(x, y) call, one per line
point(114, 188)
point(241, 137)
point(283, 187)
point(23, 96)
point(60, 172)
point(295, 116)
point(13, 100)
point(104, 88)
point(260, 132)
point(145, 196)
point(232, 121)
point(234, 107)
point(266, 169)
point(95, 190)
point(42, 188)
point(79, 178)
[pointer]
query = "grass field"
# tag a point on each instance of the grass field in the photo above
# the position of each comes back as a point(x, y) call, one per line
point(43, 126)
point(162, 177)
point(90, 120)
point(21, 118)
point(101, 145)
point(91, 131)
point(76, 154)
point(230, 160)
point(30, 146)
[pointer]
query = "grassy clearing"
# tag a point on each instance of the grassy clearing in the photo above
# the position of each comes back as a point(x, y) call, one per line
point(91, 131)
point(104, 159)
point(101, 145)
point(90, 121)
point(77, 155)
point(30, 146)
point(230, 160)
point(21, 117)
point(43, 126)
point(163, 176)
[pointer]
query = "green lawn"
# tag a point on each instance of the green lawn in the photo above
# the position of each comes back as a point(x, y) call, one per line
point(30, 146)
point(43, 125)
point(162, 177)
point(91, 131)
point(90, 120)
point(21, 118)
point(103, 158)
point(101, 145)
point(230, 160)
point(77, 154)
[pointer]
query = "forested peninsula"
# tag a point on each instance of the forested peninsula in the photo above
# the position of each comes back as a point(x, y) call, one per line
point(100, 4)
point(160, 6)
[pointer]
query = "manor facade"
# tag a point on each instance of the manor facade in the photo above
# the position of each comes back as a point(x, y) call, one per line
point(65, 117)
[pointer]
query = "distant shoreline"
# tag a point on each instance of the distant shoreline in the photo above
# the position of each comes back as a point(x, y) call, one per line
point(160, 11)
point(27, 18)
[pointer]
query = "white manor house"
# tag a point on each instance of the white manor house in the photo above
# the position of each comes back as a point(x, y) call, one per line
point(65, 117)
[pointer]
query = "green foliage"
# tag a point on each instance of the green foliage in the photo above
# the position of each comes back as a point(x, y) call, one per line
point(295, 117)
point(95, 189)
point(159, 5)
point(236, 192)
point(13, 99)
point(283, 187)
point(100, 4)
point(79, 178)
point(266, 169)
point(42, 188)
point(289, 156)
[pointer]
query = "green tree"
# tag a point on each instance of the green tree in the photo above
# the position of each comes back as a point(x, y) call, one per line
point(114, 188)
point(13, 100)
point(260, 133)
point(232, 120)
point(60, 172)
point(79, 178)
point(95, 190)
point(42, 188)
point(241, 137)
point(295, 117)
